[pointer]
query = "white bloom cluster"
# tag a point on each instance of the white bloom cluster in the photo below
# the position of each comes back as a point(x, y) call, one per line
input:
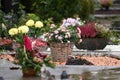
point(71, 22)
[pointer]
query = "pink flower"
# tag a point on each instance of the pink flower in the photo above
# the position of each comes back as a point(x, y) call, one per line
point(60, 37)
point(52, 25)
point(88, 30)
point(63, 30)
point(68, 34)
point(40, 42)
point(56, 31)
point(27, 43)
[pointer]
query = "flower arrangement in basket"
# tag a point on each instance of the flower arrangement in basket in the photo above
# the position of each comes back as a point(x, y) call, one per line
point(61, 38)
point(65, 32)
point(29, 53)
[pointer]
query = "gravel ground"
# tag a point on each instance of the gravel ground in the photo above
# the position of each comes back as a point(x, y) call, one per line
point(96, 61)
point(103, 61)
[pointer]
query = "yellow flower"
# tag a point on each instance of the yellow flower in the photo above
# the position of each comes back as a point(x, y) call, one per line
point(23, 29)
point(38, 24)
point(13, 31)
point(30, 22)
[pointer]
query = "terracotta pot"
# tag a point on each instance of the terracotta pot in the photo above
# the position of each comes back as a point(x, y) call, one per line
point(29, 73)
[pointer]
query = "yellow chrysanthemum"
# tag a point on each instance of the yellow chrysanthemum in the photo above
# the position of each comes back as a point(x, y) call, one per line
point(23, 29)
point(30, 23)
point(38, 24)
point(13, 31)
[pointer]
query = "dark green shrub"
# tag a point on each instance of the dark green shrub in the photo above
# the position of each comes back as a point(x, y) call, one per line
point(59, 9)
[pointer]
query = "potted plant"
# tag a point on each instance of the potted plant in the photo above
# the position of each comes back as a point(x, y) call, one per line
point(106, 3)
point(94, 36)
point(28, 55)
point(62, 37)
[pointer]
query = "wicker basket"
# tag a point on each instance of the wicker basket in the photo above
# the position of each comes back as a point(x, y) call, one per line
point(61, 51)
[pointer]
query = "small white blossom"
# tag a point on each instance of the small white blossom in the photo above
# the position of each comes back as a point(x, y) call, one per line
point(52, 25)
point(56, 31)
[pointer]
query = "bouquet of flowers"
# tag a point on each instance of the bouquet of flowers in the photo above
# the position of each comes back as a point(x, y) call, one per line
point(28, 53)
point(66, 32)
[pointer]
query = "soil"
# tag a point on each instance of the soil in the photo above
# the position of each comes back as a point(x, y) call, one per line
point(84, 60)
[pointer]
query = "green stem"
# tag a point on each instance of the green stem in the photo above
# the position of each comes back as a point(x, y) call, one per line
point(25, 53)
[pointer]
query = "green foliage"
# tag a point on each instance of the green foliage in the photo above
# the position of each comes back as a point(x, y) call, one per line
point(59, 9)
point(103, 31)
point(3, 25)
point(85, 9)
point(27, 61)
point(115, 37)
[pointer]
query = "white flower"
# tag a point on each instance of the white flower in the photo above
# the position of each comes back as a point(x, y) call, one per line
point(56, 36)
point(3, 26)
point(52, 25)
point(72, 22)
point(68, 34)
point(63, 29)
point(68, 41)
point(51, 34)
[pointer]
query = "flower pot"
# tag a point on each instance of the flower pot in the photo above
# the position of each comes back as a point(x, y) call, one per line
point(60, 51)
point(28, 72)
point(92, 43)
